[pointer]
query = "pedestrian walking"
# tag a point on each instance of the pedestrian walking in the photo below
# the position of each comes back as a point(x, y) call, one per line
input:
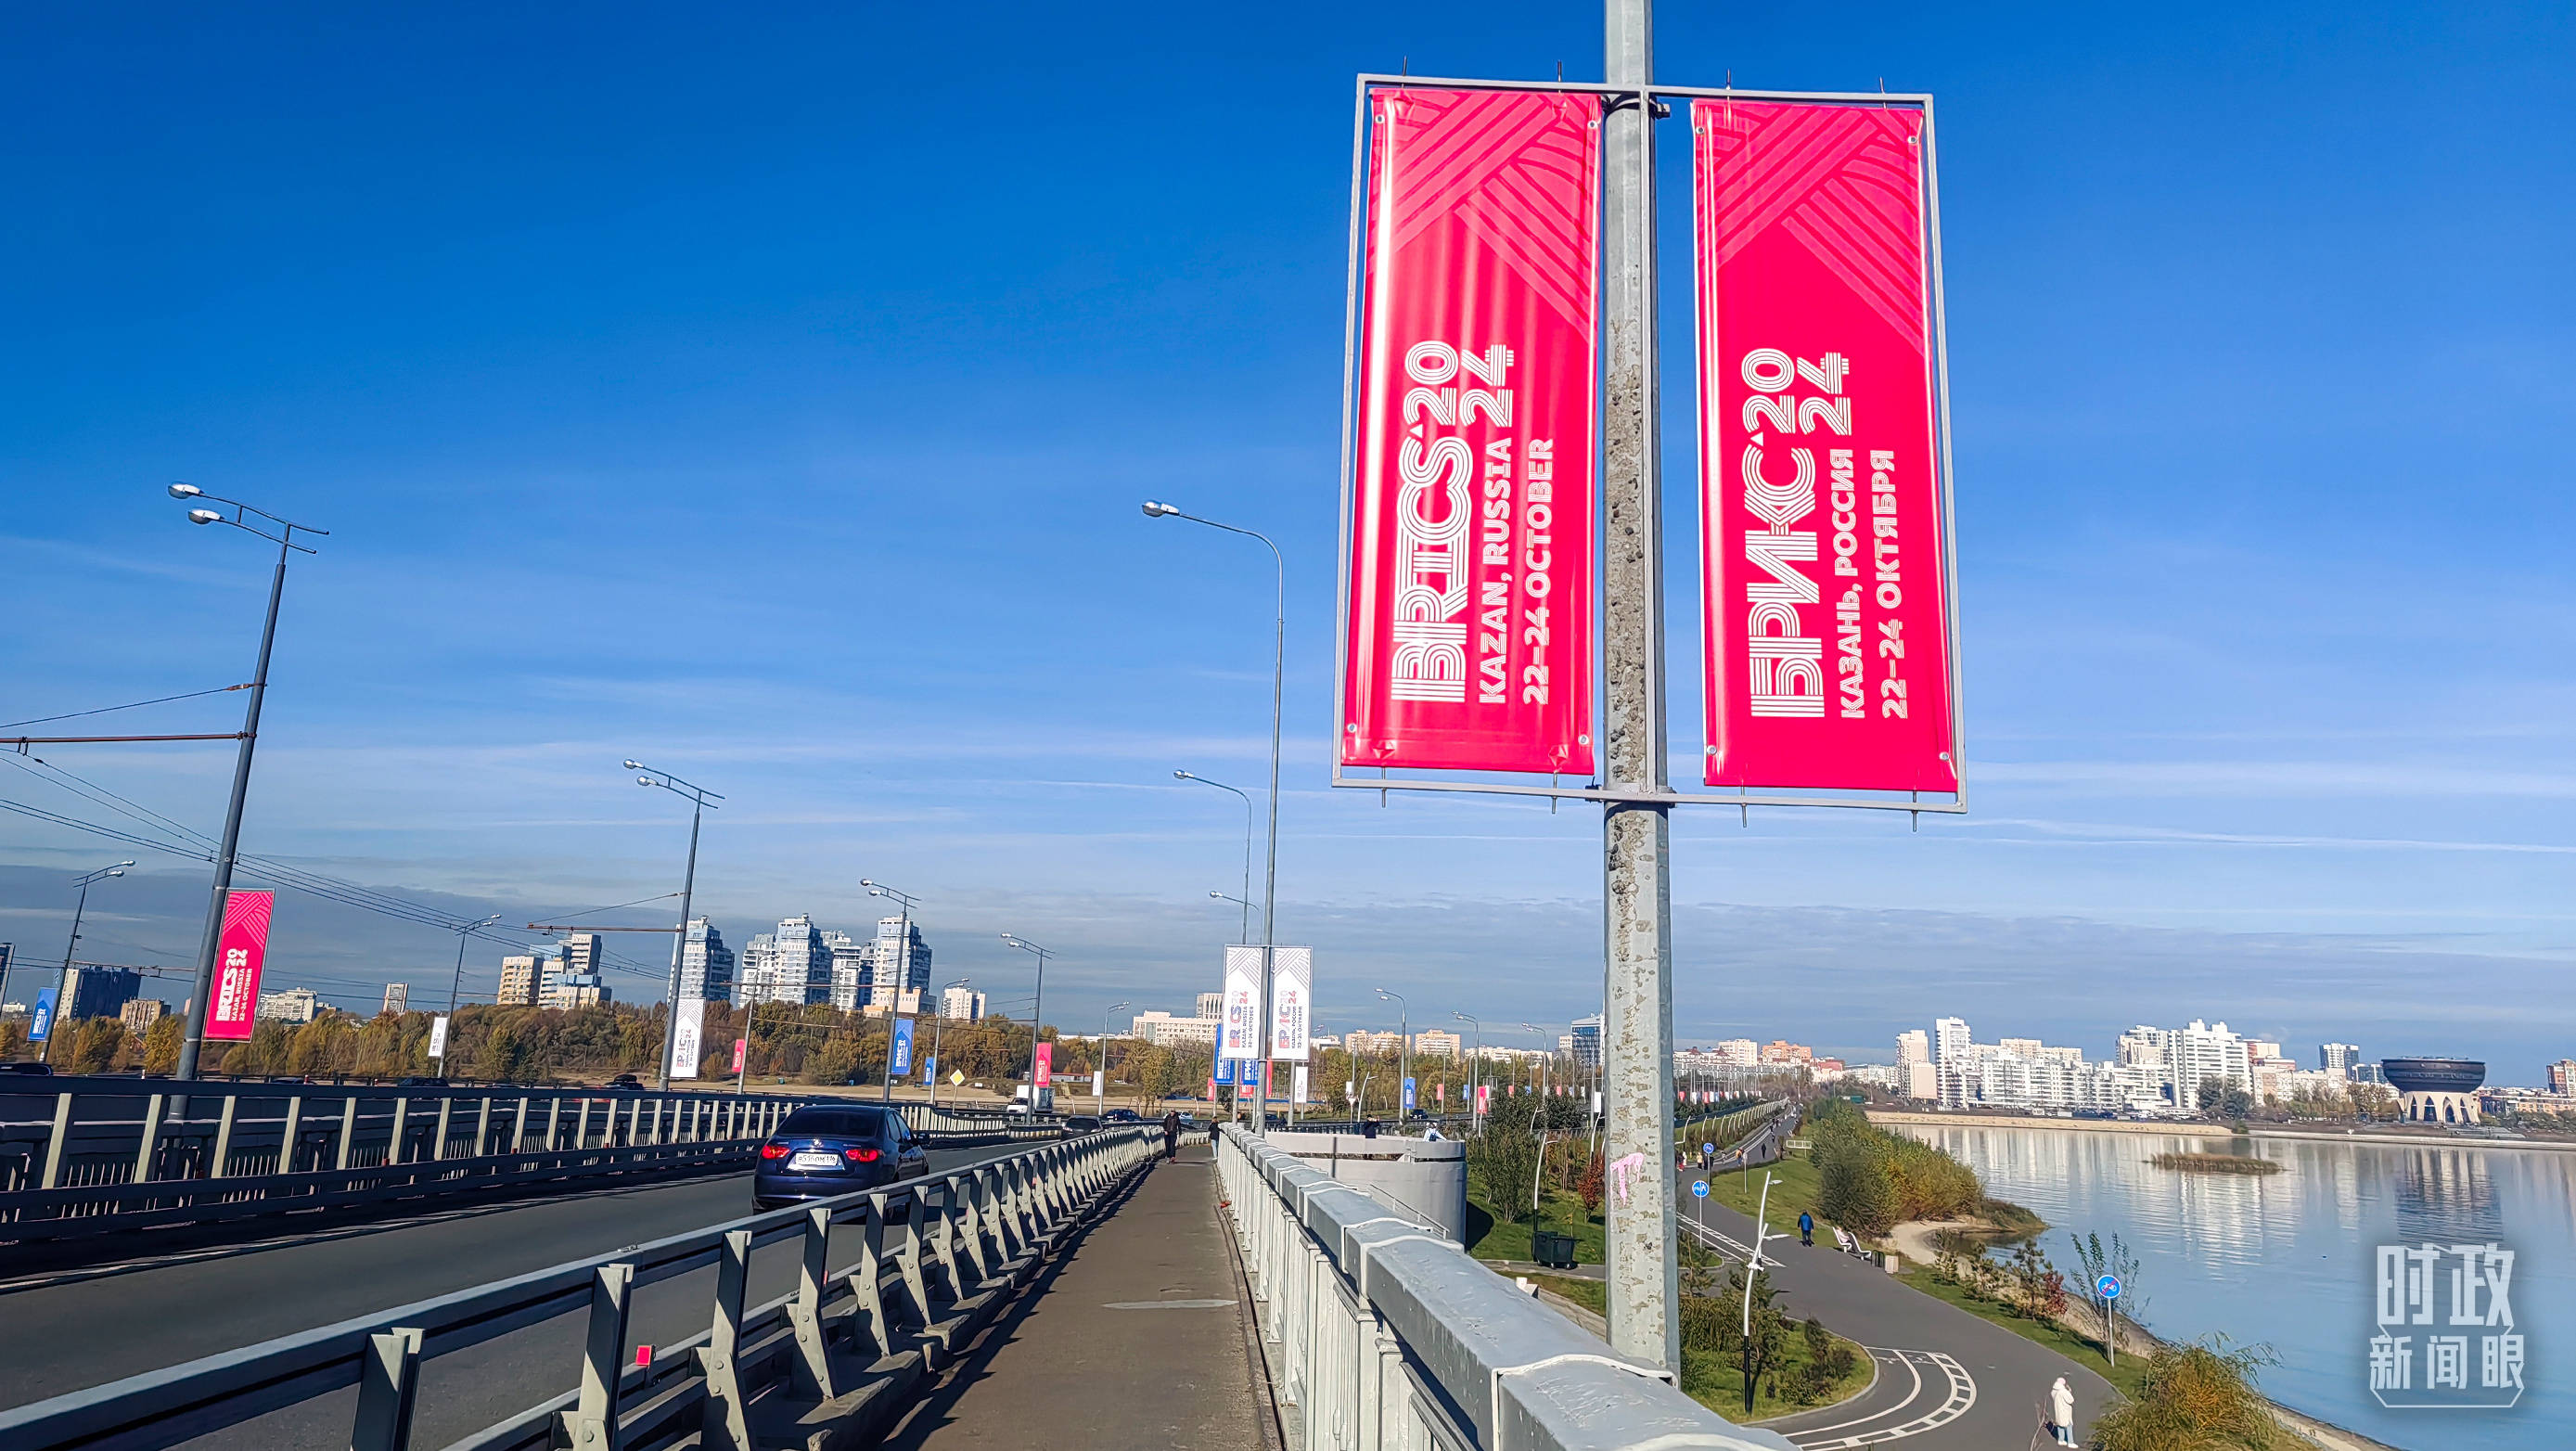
point(1806, 1228)
point(2061, 1412)
point(1171, 1134)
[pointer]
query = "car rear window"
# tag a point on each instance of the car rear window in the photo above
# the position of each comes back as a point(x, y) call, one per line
point(857, 1123)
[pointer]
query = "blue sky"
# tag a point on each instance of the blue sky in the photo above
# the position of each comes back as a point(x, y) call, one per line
point(768, 396)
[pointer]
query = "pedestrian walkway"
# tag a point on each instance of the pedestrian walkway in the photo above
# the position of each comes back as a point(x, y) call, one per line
point(1134, 1336)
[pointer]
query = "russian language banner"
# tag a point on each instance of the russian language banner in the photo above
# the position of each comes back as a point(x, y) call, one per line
point(1469, 639)
point(241, 950)
point(1826, 620)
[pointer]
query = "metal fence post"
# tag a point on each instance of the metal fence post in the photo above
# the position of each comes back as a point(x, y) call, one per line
point(348, 1128)
point(394, 1137)
point(519, 1129)
point(581, 1127)
point(725, 1423)
point(554, 1123)
point(812, 1365)
point(446, 1106)
point(288, 1134)
point(145, 1152)
point(592, 1424)
point(483, 1127)
point(388, 1388)
point(867, 1281)
point(224, 1137)
point(54, 1147)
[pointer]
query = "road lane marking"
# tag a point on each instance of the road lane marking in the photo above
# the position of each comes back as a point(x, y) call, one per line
point(1168, 1305)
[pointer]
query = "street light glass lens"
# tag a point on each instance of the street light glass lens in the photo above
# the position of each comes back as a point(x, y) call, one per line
point(643, 780)
point(185, 491)
point(203, 516)
point(635, 765)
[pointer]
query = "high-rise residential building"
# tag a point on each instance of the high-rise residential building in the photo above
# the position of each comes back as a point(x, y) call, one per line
point(1949, 1040)
point(100, 992)
point(1212, 1005)
point(1913, 1046)
point(2205, 1051)
point(2338, 1059)
point(1584, 1041)
point(899, 960)
point(1165, 1031)
point(2018, 1047)
point(1780, 1050)
point(575, 990)
point(2146, 1047)
point(1436, 1043)
point(518, 982)
point(963, 1004)
point(852, 970)
point(791, 965)
point(142, 1013)
point(397, 998)
point(706, 964)
point(1359, 1041)
point(295, 1005)
point(2562, 1077)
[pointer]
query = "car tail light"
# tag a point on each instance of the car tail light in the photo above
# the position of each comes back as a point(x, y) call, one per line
point(773, 1151)
point(860, 1156)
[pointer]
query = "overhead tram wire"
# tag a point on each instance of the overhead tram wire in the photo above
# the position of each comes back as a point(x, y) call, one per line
point(105, 709)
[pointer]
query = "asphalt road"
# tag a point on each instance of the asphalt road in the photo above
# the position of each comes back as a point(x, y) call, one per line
point(1987, 1395)
point(78, 1329)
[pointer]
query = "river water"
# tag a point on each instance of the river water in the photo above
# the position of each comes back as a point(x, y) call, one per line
point(2287, 1261)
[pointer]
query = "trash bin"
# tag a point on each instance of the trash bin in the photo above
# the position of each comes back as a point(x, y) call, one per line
point(1556, 1251)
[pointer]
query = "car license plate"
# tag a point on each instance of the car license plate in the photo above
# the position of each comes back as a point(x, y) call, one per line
point(814, 1163)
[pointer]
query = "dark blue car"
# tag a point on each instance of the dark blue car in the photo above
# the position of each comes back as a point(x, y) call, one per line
point(828, 1150)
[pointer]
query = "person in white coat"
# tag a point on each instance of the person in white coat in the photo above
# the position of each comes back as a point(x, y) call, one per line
point(2061, 1412)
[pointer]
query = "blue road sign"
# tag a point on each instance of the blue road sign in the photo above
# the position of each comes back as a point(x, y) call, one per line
point(1408, 1095)
point(1699, 1188)
point(902, 1063)
point(2109, 1285)
point(1708, 1150)
point(43, 1022)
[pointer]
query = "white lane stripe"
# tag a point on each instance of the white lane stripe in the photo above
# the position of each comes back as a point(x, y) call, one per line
point(1960, 1393)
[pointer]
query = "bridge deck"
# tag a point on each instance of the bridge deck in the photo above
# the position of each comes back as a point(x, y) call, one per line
point(1139, 1337)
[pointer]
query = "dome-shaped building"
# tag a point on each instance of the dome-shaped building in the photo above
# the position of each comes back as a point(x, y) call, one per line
point(2436, 1090)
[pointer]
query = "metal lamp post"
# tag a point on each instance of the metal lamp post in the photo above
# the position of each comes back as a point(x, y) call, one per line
point(456, 984)
point(937, 1025)
point(698, 797)
point(199, 1003)
point(1475, 1071)
point(1403, 1049)
point(1270, 886)
point(1037, 1010)
point(1246, 898)
point(63, 979)
point(1100, 1096)
point(903, 972)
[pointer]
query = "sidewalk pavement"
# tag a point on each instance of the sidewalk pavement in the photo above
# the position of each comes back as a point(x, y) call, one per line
point(1135, 1336)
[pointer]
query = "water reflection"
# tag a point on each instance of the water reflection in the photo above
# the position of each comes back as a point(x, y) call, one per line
point(2284, 1259)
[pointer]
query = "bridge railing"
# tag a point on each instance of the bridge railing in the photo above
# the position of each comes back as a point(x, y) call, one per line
point(853, 1334)
point(1392, 1339)
point(84, 1156)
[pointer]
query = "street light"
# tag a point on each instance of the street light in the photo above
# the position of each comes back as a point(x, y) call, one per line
point(1100, 1095)
point(1246, 898)
point(697, 797)
point(457, 983)
point(938, 1025)
point(63, 979)
point(903, 973)
point(1403, 1049)
point(1036, 1009)
point(1476, 1072)
point(1270, 884)
point(199, 1003)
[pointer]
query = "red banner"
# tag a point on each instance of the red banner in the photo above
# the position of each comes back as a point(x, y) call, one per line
point(240, 952)
point(1469, 639)
point(1046, 1065)
point(1826, 620)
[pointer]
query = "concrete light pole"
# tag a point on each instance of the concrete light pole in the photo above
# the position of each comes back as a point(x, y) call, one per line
point(937, 1027)
point(200, 1002)
point(1270, 884)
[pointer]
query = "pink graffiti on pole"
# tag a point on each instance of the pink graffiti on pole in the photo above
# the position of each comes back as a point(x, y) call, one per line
point(1621, 1170)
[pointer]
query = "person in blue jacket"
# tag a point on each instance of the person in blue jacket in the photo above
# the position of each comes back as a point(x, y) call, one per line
point(1806, 1227)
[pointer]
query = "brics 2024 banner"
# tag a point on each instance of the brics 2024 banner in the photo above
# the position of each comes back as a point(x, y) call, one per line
point(1827, 621)
point(1470, 621)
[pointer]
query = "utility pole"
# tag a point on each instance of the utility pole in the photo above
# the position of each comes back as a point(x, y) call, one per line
point(697, 797)
point(200, 1004)
point(1637, 998)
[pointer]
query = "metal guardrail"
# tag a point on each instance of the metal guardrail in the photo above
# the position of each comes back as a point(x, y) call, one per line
point(846, 1346)
point(1392, 1339)
point(82, 1156)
